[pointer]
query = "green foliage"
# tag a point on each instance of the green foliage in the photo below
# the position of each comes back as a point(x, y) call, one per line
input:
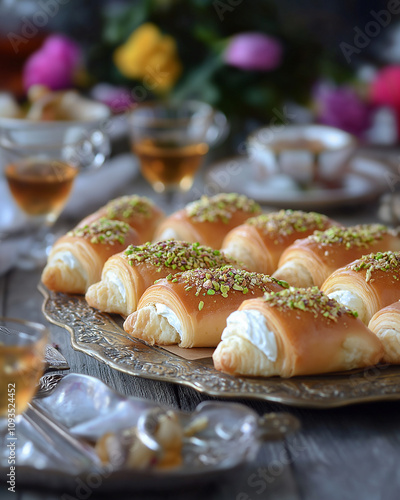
point(202, 29)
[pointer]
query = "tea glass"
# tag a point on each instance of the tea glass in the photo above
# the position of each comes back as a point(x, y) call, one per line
point(171, 140)
point(40, 162)
point(22, 359)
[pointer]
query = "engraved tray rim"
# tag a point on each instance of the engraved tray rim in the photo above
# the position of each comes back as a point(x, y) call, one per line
point(99, 336)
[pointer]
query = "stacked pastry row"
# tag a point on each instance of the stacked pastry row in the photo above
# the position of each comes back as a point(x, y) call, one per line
point(286, 293)
point(77, 259)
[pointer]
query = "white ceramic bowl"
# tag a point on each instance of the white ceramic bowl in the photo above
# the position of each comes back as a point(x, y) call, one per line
point(86, 133)
point(301, 151)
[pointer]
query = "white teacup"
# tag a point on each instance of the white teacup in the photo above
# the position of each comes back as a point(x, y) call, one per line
point(306, 153)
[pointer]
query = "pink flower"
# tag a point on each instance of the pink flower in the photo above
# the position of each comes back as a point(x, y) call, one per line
point(254, 51)
point(341, 107)
point(385, 89)
point(54, 64)
point(118, 99)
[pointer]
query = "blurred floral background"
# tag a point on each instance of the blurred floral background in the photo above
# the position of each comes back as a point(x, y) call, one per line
point(260, 62)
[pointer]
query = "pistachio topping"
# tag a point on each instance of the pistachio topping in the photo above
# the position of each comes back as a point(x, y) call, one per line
point(224, 281)
point(177, 255)
point(127, 207)
point(362, 235)
point(308, 300)
point(380, 261)
point(220, 207)
point(286, 222)
point(104, 231)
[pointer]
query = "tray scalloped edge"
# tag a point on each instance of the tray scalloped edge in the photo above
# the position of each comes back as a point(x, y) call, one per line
point(99, 336)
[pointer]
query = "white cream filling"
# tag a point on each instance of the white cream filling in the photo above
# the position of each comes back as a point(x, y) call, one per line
point(240, 253)
point(114, 279)
point(169, 234)
point(350, 300)
point(68, 258)
point(353, 353)
point(251, 325)
point(170, 316)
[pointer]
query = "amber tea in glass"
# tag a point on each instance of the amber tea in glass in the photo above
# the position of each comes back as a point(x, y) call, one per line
point(171, 140)
point(40, 162)
point(22, 358)
point(40, 187)
point(169, 164)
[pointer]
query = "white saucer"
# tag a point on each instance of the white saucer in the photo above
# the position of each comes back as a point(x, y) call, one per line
point(366, 178)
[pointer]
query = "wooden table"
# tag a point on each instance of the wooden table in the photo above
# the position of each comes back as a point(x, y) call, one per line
point(347, 453)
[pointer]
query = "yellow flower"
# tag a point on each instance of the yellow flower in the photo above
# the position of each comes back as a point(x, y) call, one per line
point(150, 56)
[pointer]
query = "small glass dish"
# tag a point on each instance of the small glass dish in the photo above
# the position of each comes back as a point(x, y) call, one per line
point(58, 438)
point(313, 156)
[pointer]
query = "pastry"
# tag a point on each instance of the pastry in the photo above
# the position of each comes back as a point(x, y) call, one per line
point(76, 259)
point(311, 260)
point(137, 211)
point(208, 220)
point(126, 275)
point(294, 332)
point(260, 241)
point(190, 308)
point(386, 326)
point(367, 284)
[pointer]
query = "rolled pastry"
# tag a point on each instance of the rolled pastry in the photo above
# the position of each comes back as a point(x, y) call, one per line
point(294, 332)
point(127, 275)
point(386, 326)
point(76, 259)
point(208, 220)
point(137, 211)
point(311, 260)
point(190, 308)
point(367, 284)
point(261, 240)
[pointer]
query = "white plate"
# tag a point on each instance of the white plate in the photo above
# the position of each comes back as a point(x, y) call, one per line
point(365, 179)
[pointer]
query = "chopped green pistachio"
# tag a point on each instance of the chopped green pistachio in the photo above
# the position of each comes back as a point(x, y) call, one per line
point(224, 280)
point(103, 231)
point(361, 236)
point(176, 255)
point(127, 207)
point(224, 289)
point(286, 222)
point(308, 300)
point(216, 285)
point(378, 262)
point(220, 207)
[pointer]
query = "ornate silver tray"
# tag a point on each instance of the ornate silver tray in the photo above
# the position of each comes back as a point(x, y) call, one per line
point(100, 336)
